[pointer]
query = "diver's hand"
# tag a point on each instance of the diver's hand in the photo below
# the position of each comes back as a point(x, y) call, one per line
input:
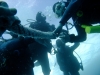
point(4, 11)
point(65, 37)
point(57, 31)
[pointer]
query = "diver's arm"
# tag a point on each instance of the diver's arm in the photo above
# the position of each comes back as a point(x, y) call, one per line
point(21, 30)
point(70, 10)
point(74, 38)
point(81, 35)
point(13, 35)
point(16, 27)
point(7, 11)
point(75, 46)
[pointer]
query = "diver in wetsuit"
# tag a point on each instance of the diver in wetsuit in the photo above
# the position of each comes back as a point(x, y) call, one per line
point(42, 46)
point(10, 22)
point(19, 54)
point(67, 62)
point(16, 58)
point(83, 12)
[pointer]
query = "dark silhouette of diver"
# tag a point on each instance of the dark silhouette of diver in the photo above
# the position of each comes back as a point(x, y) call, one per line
point(42, 46)
point(8, 21)
point(67, 62)
point(83, 12)
point(16, 58)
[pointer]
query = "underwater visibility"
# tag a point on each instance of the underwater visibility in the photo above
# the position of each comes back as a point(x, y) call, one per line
point(49, 37)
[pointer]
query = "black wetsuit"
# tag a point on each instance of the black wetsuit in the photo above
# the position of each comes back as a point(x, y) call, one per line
point(18, 57)
point(42, 46)
point(67, 62)
point(90, 10)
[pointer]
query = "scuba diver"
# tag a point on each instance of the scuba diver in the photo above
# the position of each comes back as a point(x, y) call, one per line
point(67, 62)
point(10, 22)
point(83, 12)
point(42, 46)
point(16, 58)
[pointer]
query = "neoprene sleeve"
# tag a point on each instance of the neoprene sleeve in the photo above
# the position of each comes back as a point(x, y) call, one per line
point(70, 10)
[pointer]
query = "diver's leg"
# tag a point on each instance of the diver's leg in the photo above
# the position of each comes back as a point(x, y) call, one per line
point(74, 73)
point(66, 73)
point(61, 64)
point(16, 43)
point(10, 45)
point(44, 62)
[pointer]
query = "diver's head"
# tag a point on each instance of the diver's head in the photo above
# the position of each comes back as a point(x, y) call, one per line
point(40, 17)
point(59, 8)
point(9, 12)
point(60, 44)
point(4, 4)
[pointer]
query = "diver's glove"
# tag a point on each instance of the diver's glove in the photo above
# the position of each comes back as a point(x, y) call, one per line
point(65, 37)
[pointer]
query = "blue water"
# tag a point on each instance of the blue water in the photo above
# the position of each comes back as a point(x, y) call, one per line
point(88, 50)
